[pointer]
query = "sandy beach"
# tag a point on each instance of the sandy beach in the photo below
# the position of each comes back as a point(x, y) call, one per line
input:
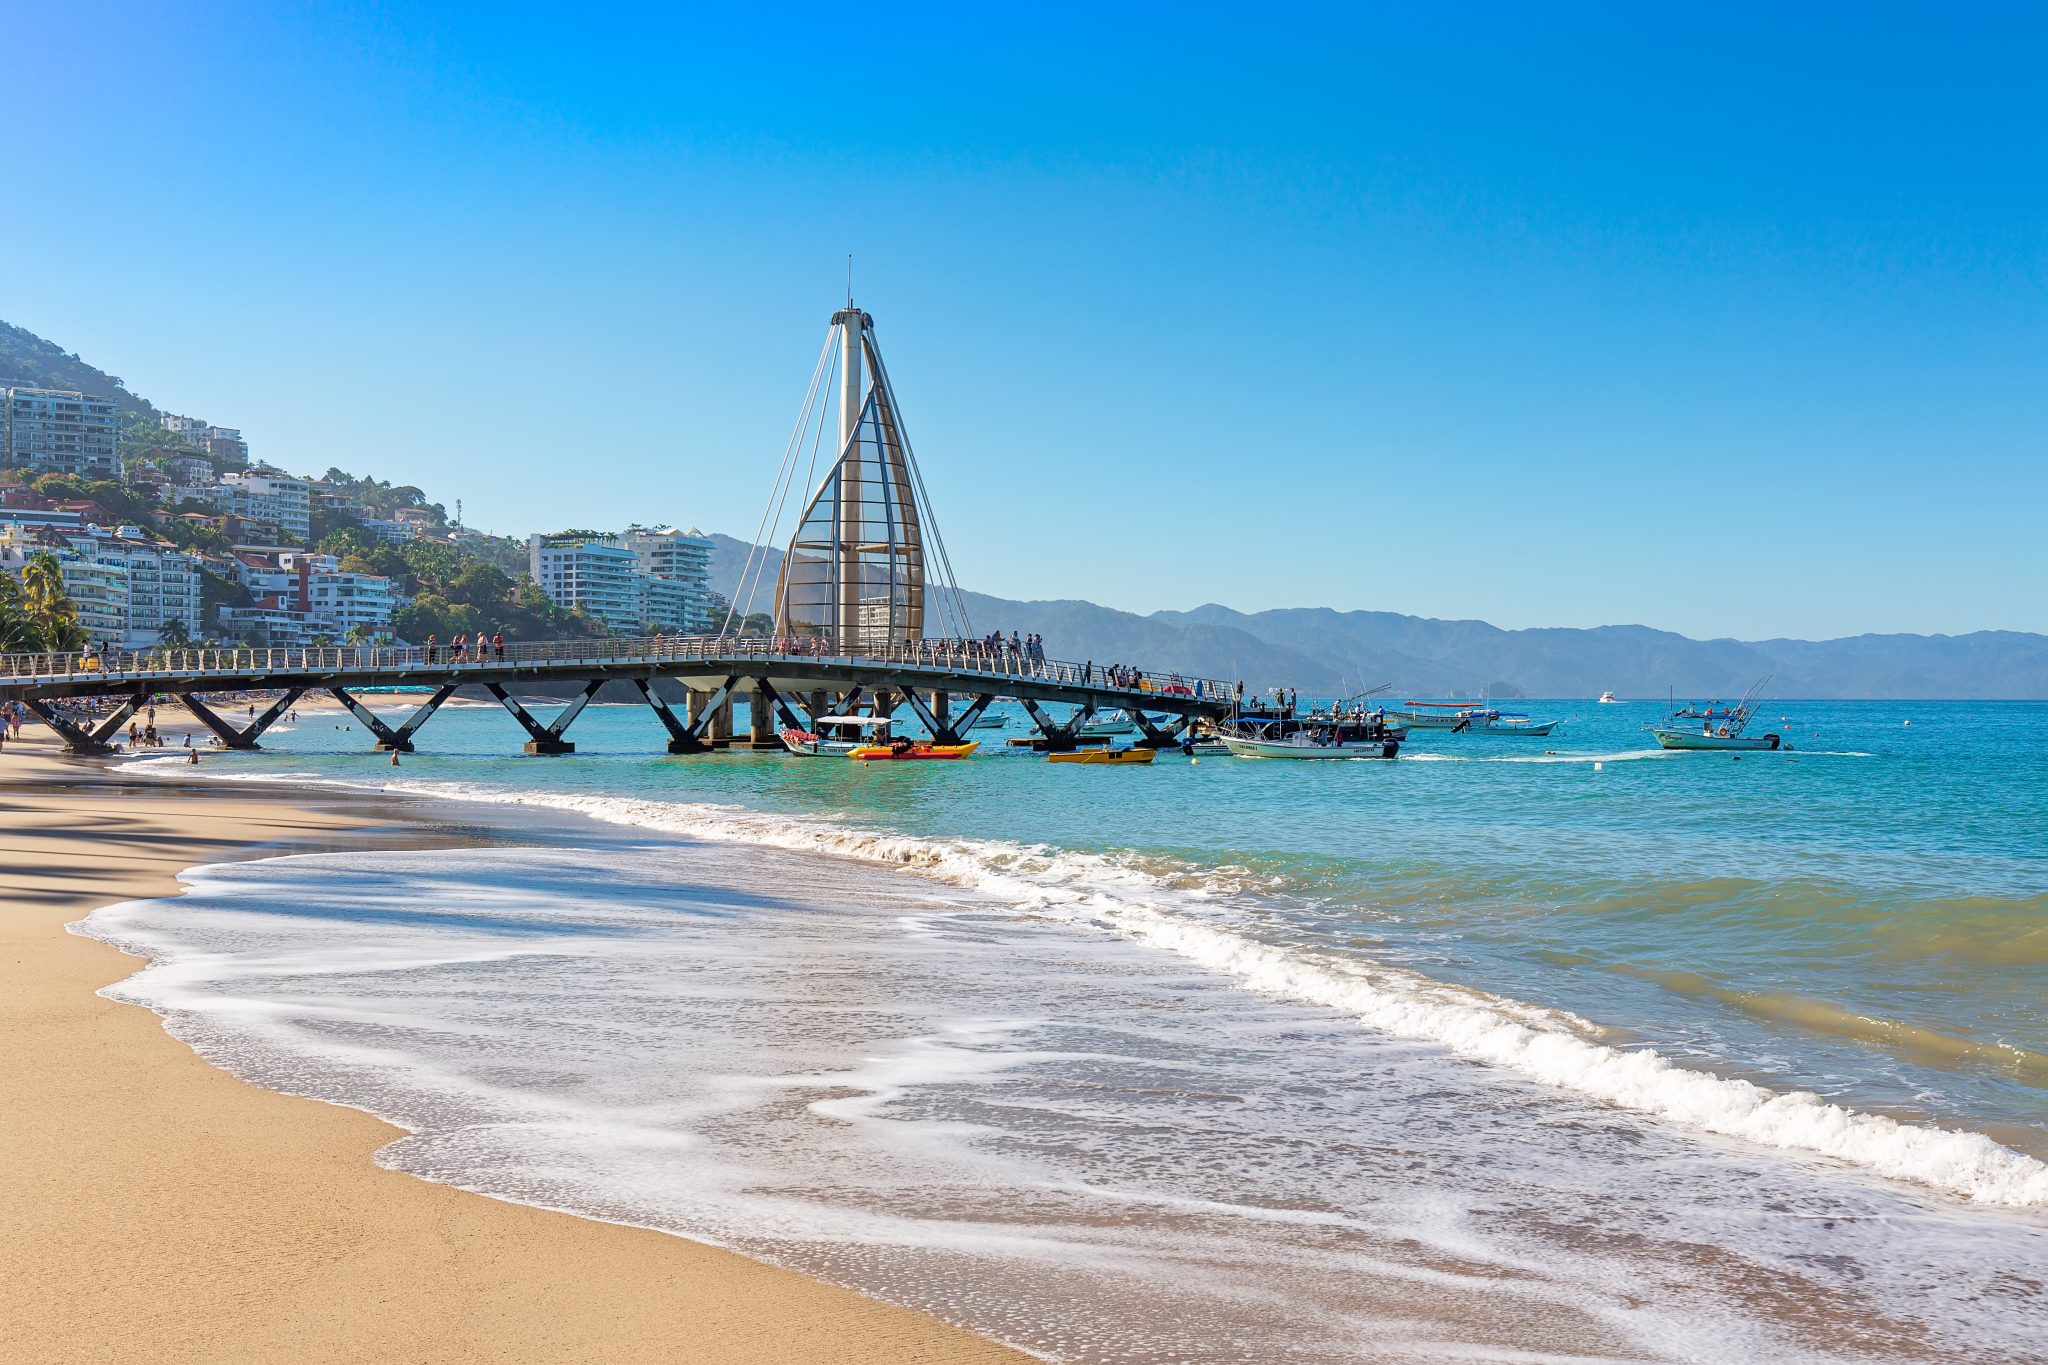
point(157, 1208)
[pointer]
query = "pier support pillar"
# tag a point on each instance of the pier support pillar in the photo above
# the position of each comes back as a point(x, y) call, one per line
point(397, 740)
point(92, 741)
point(680, 740)
point(244, 738)
point(1057, 738)
point(547, 739)
point(761, 717)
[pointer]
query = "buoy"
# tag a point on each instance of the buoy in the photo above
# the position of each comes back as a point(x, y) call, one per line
point(1598, 767)
point(1193, 761)
point(1909, 722)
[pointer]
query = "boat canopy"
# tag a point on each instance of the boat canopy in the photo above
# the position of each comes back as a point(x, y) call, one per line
point(862, 722)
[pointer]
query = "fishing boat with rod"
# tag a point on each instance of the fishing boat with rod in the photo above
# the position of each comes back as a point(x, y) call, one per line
point(836, 736)
point(1359, 736)
point(1717, 730)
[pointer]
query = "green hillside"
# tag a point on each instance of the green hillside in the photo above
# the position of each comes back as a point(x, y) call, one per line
point(29, 362)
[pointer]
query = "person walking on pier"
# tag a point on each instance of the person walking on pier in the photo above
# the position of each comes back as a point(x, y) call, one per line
point(498, 647)
point(433, 649)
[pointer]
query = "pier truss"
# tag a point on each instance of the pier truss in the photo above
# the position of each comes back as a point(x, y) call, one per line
point(946, 685)
point(864, 577)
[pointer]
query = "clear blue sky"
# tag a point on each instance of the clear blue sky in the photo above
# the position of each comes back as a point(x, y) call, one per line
point(1728, 321)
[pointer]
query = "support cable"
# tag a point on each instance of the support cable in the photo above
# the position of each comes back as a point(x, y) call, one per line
point(782, 473)
point(788, 484)
point(964, 626)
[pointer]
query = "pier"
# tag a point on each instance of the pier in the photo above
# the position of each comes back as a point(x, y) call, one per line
point(864, 562)
point(946, 684)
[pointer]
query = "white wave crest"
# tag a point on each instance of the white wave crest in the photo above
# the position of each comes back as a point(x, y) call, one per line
point(1103, 893)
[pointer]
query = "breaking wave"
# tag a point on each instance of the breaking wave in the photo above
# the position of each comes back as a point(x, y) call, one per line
point(1181, 914)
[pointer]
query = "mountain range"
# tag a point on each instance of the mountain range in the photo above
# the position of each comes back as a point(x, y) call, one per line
point(1326, 652)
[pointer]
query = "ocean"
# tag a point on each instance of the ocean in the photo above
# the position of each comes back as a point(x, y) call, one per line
point(1512, 1049)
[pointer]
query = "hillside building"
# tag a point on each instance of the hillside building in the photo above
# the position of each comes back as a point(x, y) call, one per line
point(270, 497)
point(59, 431)
point(596, 576)
point(642, 580)
point(683, 559)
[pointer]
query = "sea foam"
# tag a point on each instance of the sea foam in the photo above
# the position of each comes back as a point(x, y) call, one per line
point(1105, 893)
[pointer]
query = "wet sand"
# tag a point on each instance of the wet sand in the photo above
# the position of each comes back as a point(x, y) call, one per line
point(156, 1208)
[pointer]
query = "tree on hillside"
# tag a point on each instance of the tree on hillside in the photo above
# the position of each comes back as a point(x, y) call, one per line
point(48, 614)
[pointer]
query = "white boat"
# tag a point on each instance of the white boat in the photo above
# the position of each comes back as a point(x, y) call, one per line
point(1431, 715)
point(1291, 738)
point(1111, 726)
point(1609, 699)
point(1490, 722)
point(985, 721)
point(1706, 738)
point(837, 736)
point(1716, 729)
point(1302, 744)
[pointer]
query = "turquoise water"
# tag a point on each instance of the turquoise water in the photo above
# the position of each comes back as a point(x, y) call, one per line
point(1865, 916)
point(1510, 1049)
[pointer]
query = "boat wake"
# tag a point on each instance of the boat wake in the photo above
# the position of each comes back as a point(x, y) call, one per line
point(1206, 922)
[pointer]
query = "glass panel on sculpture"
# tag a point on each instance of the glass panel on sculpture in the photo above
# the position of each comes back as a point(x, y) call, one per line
point(855, 567)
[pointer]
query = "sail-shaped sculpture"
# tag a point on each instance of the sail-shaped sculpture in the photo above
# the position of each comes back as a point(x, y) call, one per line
point(853, 576)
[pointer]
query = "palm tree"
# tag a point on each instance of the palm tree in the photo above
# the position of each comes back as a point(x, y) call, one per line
point(51, 611)
point(17, 633)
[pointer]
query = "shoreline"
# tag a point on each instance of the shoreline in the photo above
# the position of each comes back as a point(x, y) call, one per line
point(161, 1208)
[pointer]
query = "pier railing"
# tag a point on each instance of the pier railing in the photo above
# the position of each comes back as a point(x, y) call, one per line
point(959, 659)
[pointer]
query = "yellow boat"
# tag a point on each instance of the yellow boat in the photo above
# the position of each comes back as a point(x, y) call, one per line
point(1104, 756)
point(903, 751)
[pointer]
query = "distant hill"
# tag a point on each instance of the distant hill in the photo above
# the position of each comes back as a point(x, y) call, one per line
point(1323, 651)
point(29, 362)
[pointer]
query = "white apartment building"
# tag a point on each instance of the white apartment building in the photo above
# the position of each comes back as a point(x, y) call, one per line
point(163, 584)
point(101, 592)
point(128, 587)
point(224, 443)
point(61, 432)
point(680, 557)
point(388, 531)
point(669, 605)
point(267, 495)
point(346, 601)
point(599, 577)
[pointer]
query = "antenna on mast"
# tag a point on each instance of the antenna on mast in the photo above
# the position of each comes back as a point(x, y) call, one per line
point(849, 281)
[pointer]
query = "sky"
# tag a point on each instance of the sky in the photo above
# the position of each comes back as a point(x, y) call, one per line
point(1728, 320)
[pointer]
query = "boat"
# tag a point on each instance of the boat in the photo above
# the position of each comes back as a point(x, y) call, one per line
point(985, 721)
point(1432, 715)
point(836, 736)
point(1108, 726)
point(1312, 737)
point(1491, 722)
point(905, 750)
point(1609, 699)
point(1131, 755)
point(1718, 729)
